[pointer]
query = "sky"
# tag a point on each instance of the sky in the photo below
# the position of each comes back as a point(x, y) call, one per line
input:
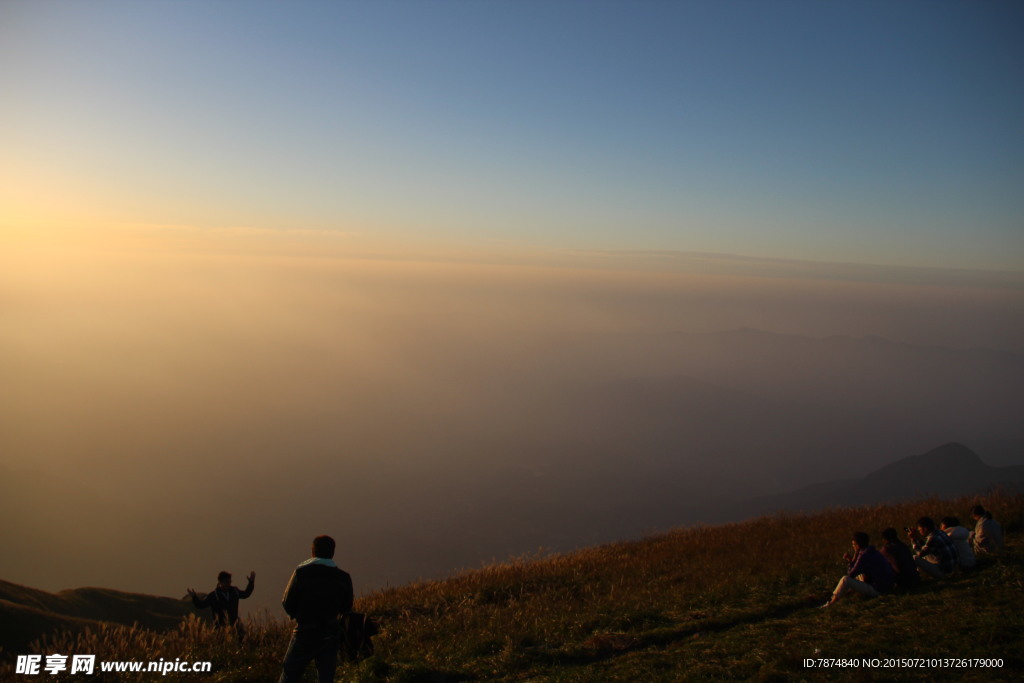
point(873, 132)
point(469, 279)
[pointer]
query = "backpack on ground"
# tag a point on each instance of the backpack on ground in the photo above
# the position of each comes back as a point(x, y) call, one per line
point(356, 631)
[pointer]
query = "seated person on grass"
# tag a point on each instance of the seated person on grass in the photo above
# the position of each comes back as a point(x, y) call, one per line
point(901, 559)
point(959, 535)
point(934, 551)
point(869, 572)
point(988, 534)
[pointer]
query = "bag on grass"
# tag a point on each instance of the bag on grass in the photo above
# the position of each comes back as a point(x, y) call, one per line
point(356, 631)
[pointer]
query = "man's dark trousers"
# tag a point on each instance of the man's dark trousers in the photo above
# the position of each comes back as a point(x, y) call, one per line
point(309, 643)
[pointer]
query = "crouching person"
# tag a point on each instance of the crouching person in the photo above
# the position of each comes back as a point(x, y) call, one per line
point(869, 572)
point(317, 595)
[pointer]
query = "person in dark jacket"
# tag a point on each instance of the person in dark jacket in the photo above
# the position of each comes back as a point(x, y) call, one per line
point(223, 600)
point(901, 558)
point(935, 553)
point(869, 572)
point(317, 594)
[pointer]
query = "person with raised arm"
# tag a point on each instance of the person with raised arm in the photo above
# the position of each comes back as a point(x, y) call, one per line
point(223, 600)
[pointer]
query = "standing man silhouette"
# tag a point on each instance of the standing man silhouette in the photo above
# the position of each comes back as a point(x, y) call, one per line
point(223, 600)
point(317, 594)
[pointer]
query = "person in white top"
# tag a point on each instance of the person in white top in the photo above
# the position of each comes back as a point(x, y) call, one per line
point(960, 537)
point(988, 534)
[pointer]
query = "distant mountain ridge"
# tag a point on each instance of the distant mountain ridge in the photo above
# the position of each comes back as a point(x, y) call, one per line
point(28, 613)
point(949, 470)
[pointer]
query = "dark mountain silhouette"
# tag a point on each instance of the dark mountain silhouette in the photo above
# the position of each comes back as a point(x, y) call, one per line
point(949, 470)
point(28, 613)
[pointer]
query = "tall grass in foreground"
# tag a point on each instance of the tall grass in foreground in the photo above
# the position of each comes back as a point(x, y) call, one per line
point(734, 601)
point(256, 658)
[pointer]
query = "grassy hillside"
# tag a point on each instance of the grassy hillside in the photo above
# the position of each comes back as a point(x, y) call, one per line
point(738, 601)
point(25, 613)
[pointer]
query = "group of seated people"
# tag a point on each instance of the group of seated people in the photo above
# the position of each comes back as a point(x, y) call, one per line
point(937, 552)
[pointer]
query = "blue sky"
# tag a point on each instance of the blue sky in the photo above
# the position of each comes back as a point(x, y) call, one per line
point(868, 132)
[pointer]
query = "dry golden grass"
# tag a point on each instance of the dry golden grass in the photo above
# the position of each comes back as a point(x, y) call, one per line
point(732, 601)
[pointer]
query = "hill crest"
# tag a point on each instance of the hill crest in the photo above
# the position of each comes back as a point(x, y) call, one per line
point(27, 613)
point(951, 469)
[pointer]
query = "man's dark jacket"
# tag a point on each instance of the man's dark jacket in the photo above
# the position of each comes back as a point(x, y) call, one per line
point(902, 561)
point(318, 593)
point(224, 602)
